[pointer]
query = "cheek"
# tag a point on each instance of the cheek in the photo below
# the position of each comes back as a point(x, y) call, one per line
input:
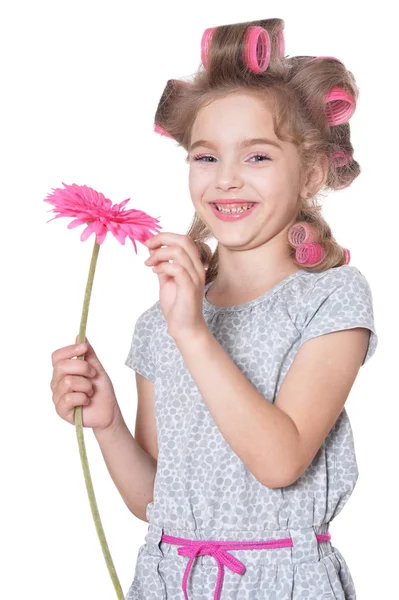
point(267, 183)
point(197, 182)
point(277, 182)
point(192, 185)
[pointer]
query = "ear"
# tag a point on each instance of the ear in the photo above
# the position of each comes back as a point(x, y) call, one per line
point(315, 177)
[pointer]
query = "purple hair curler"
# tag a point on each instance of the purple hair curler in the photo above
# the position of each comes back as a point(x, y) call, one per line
point(257, 49)
point(206, 44)
point(159, 129)
point(340, 159)
point(309, 254)
point(340, 106)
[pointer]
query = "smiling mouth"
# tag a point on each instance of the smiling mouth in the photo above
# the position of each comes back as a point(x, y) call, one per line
point(233, 208)
point(237, 214)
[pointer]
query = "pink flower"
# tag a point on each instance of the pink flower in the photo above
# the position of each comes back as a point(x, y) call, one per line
point(100, 215)
point(96, 211)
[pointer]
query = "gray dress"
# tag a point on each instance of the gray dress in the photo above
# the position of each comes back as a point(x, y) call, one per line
point(203, 491)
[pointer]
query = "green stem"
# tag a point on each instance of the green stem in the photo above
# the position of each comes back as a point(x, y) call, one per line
point(79, 434)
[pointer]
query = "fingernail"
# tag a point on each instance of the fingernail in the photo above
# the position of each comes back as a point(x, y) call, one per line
point(81, 347)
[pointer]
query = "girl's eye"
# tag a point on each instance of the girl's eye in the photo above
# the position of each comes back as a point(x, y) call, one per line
point(199, 157)
point(260, 156)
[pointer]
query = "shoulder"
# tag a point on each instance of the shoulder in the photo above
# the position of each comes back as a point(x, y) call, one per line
point(345, 280)
point(149, 320)
point(340, 295)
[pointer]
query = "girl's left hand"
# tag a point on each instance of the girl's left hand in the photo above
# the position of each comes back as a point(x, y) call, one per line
point(181, 282)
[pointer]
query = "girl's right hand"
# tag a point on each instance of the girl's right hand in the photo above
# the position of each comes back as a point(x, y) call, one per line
point(73, 384)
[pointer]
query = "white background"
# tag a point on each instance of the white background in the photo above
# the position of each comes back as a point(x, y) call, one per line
point(80, 83)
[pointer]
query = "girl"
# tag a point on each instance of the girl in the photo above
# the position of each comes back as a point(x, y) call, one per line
point(254, 441)
point(238, 384)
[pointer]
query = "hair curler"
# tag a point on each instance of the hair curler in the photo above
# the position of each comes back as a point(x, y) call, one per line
point(340, 106)
point(257, 49)
point(281, 41)
point(303, 237)
point(301, 232)
point(206, 41)
point(161, 131)
point(340, 159)
point(321, 57)
point(309, 254)
point(342, 187)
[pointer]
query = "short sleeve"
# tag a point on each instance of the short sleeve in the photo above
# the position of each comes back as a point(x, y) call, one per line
point(141, 356)
point(340, 299)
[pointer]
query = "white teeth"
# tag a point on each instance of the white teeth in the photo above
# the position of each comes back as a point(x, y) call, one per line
point(243, 208)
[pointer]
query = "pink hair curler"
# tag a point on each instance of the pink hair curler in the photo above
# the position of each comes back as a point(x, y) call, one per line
point(257, 49)
point(340, 159)
point(206, 44)
point(337, 59)
point(300, 233)
point(320, 57)
point(309, 254)
point(340, 106)
point(159, 129)
point(281, 40)
point(342, 187)
point(347, 256)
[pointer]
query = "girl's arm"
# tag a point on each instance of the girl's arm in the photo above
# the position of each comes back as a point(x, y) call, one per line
point(131, 468)
point(277, 442)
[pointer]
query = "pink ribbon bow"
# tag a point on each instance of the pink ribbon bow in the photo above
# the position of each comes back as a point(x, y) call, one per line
point(223, 558)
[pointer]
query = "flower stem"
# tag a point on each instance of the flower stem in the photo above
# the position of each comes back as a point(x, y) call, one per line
point(79, 434)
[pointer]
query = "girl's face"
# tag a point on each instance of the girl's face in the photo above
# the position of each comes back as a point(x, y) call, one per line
point(224, 166)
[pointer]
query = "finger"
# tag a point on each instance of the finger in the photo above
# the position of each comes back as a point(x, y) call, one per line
point(180, 256)
point(66, 406)
point(71, 384)
point(178, 272)
point(67, 352)
point(92, 357)
point(192, 250)
point(73, 367)
point(162, 238)
point(167, 238)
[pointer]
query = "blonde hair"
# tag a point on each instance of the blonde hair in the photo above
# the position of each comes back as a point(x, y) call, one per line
point(296, 89)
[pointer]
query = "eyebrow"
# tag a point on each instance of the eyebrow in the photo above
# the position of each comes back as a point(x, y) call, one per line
point(242, 144)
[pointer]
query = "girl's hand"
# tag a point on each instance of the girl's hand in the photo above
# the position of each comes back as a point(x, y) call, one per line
point(181, 282)
point(73, 384)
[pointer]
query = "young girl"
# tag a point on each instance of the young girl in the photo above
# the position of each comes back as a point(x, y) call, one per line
point(243, 452)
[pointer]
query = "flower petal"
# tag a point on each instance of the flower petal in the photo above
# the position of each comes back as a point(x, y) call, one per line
point(77, 222)
point(87, 232)
point(101, 237)
point(87, 206)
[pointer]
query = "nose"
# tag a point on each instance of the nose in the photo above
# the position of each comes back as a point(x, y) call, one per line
point(228, 176)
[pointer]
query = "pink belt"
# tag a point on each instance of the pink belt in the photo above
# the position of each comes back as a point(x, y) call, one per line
point(194, 548)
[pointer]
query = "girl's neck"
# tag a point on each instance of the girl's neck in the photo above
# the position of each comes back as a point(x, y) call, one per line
point(240, 292)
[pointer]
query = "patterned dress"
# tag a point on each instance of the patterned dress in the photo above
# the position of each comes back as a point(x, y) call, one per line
point(203, 491)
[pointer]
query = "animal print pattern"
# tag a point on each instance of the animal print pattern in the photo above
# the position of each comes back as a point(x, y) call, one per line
point(203, 491)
